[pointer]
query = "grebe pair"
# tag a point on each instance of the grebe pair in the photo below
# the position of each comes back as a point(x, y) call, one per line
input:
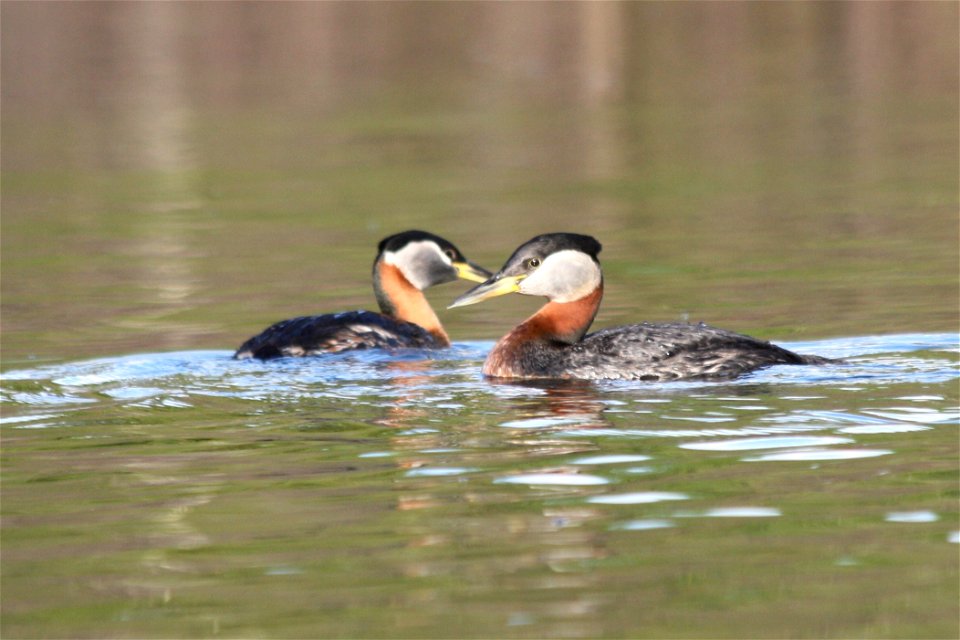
point(563, 267)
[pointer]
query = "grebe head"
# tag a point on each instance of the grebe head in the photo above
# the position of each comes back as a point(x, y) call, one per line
point(562, 267)
point(426, 260)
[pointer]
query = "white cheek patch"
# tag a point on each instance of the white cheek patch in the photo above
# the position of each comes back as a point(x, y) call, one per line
point(564, 276)
point(414, 260)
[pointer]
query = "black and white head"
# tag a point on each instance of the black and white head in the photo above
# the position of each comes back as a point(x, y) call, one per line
point(562, 267)
point(426, 260)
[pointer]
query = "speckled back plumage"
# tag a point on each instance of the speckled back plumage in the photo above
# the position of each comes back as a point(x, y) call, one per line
point(333, 333)
point(650, 352)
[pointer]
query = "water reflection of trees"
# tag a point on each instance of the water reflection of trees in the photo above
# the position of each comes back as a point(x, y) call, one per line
point(613, 104)
point(311, 55)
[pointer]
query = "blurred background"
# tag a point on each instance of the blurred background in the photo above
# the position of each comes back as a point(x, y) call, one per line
point(179, 175)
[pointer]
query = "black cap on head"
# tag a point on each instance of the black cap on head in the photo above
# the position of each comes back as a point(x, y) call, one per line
point(548, 243)
point(399, 240)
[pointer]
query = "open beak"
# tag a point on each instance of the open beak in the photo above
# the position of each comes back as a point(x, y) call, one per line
point(467, 270)
point(490, 289)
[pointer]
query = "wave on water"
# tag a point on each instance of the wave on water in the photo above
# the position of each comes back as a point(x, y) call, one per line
point(868, 360)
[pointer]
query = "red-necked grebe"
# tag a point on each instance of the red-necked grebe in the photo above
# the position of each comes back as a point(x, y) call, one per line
point(551, 343)
point(406, 264)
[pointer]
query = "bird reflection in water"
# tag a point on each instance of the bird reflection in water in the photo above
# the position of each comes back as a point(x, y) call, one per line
point(442, 460)
point(568, 399)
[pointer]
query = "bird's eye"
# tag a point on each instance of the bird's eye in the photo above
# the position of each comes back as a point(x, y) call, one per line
point(532, 263)
point(450, 253)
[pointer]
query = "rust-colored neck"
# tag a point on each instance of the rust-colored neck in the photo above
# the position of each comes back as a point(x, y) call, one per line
point(401, 300)
point(564, 322)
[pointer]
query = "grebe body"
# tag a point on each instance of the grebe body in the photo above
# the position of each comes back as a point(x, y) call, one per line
point(553, 343)
point(406, 264)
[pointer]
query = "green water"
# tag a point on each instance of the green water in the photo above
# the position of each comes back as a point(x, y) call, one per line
point(190, 495)
point(176, 176)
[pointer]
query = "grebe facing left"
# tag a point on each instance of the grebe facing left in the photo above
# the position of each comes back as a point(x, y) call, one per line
point(551, 343)
point(406, 264)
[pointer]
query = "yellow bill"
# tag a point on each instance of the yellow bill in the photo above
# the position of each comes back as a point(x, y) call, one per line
point(489, 289)
point(471, 272)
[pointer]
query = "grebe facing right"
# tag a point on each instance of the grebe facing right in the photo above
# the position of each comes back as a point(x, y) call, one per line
point(406, 264)
point(551, 343)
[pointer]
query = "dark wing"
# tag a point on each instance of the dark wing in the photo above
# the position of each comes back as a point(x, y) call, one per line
point(333, 333)
point(676, 351)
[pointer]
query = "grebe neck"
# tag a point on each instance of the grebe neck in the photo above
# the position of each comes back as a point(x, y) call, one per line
point(553, 326)
point(564, 321)
point(399, 299)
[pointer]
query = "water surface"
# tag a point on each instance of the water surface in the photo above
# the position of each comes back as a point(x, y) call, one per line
point(186, 493)
point(178, 175)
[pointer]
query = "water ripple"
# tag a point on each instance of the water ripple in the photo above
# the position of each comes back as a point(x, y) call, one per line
point(807, 455)
point(746, 444)
point(538, 423)
point(731, 512)
point(920, 415)
point(690, 433)
point(611, 459)
point(438, 471)
point(639, 497)
point(912, 516)
point(557, 479)
point(643, 525)
point(883, 428)
point(21, 419)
